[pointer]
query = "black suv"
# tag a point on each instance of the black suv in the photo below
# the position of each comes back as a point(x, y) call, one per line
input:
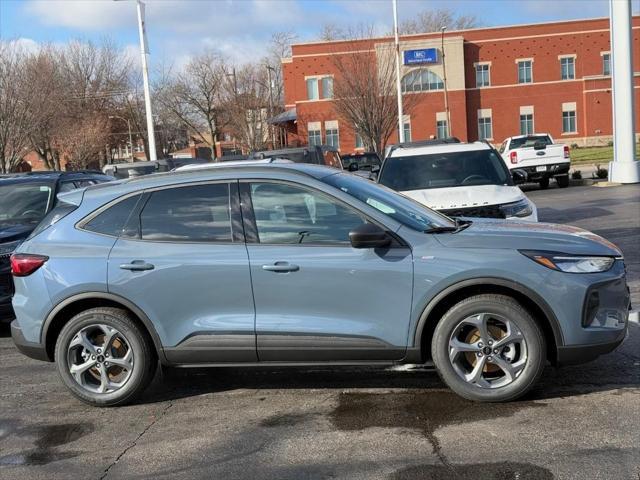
point(318, 154)
point(25, 198)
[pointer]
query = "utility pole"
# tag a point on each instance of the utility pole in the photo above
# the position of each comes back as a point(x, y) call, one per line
point(398, 82)
point(625, 168)
point(129, 127)
point(271, 127)
point(444, 80)
point(144, 51)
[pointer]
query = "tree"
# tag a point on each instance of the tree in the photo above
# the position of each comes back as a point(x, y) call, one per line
point(433, 20)
point(368, 100)
point(195, 96)
point(14, 106)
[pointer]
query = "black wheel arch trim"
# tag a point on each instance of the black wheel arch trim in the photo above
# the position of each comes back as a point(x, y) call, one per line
point(492, 282)
point(111, 297)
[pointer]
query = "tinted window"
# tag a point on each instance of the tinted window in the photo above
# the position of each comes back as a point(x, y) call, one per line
point(24, 203)
point(113, 219)
point(524, 142)
point(290, 214)
point(451, 169)
point(199, 213)
point(66, 187)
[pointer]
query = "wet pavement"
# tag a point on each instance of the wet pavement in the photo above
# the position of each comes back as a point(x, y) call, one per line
point(580, 422)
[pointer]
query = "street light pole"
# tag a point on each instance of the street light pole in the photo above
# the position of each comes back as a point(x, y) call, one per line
point(144, 51)
point(398, 82)
point(446, 93)
point(273, 133)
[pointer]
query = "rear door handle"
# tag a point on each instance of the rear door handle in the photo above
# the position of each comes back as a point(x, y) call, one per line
point(137, 266)
point(281, 267)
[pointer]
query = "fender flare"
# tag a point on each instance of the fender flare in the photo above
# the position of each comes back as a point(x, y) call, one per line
point(148, 324)
point(489, 281)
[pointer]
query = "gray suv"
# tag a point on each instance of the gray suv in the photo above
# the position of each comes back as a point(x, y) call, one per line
point(294, 264)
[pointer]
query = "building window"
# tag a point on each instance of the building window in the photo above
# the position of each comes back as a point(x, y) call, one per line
point(421, 80)
point(312, 89)
point(442, 129)
point(525, 68)
point(333, 136)
point(484, 128)
point(359, 142)
point(315, 137)
point(482, 75)
point(406, 128)
point(568, 68)
point(327, 87)
point(526, 124)
point(606, 64)
point(569, 121)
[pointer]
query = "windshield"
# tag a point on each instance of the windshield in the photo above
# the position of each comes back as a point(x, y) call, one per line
point(525, 142)
point(450, 169)
point(364, 161)
point(24, 203)
point(394, 205)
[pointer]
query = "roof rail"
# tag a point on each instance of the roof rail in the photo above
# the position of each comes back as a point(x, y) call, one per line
point(423, 143)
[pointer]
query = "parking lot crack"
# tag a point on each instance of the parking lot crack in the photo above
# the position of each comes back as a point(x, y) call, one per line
point(136, 440)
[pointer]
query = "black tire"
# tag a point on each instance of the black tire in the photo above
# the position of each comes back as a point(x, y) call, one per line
point(498, 305)
point(544, 183)
point(144, 366)
point(562, 181)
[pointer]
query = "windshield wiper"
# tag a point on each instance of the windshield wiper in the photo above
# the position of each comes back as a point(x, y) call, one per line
point(460, 225)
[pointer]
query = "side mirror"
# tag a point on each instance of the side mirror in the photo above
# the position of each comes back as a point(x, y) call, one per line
point(519, 176)
point(353, 167)
point(369, 235)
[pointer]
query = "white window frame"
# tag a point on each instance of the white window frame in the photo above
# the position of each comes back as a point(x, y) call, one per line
point(523, 60)
point(314, 130)
point(488, 71)
point(331, 128)
point(571, 57)
point(603, 55)
point(483, 115)
point(406, 127)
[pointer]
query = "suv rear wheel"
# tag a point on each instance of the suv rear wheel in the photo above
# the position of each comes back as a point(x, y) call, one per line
point(489, 348)
point(104, 358)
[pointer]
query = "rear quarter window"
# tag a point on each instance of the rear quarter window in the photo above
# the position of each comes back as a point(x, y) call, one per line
point(112, 220)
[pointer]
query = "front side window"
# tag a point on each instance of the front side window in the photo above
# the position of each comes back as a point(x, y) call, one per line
point(333, 137)
point(312, 89)
point(526, 124)
point(484, 128)
point(482, 75)
point(525, 71)
point(567, 68)
point(442, 130)
point(315, 137)
point(606, 64)
point(24, 203)
point(112, 220)
point(569, 122)
point(198, 213)
point(327, 87)
point(289, 214)
point(443, 170)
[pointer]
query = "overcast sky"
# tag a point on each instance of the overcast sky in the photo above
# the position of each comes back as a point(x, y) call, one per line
point(241, 28)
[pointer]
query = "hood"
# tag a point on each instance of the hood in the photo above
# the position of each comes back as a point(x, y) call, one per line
point(13, 232)
point(465, 196)
point(530, 236)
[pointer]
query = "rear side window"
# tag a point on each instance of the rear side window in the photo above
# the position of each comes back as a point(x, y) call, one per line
point(198, 213)
point(113, 219)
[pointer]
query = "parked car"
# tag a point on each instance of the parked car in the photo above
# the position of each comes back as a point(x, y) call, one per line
point(136, 169)
point(361, 163)
point(318, 154)
point(249, 265)
point(539, 157)
point(25, 198)
point(457, 179)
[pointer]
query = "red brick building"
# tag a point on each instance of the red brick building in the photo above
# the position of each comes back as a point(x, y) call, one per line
point(502, 81)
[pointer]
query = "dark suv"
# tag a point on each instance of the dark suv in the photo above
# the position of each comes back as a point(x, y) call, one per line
point(25, 198)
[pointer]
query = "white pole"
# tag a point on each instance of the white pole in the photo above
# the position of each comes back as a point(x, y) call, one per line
point(624, 168)
point(398, 82)
point(144, 51)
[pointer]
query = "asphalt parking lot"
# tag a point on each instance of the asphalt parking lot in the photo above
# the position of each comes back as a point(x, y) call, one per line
point(579, 422)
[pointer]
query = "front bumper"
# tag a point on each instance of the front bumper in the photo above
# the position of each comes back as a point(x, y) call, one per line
point(577, 354)
point(552, 170)
point(30, 349)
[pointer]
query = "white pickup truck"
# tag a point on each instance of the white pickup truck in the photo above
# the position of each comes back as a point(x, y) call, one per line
point(538, 157)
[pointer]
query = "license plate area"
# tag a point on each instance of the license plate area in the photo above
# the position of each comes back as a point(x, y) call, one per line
point(543, 168)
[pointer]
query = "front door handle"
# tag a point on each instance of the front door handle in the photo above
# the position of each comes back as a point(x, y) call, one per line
point(137, 266)
point(281, 267)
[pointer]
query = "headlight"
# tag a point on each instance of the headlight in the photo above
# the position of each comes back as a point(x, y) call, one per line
point(570, 263)
point(521, 208)
point(7, 248)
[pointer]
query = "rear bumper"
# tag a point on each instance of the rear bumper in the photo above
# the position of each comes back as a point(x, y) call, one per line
point(552, 170)
point(33, 350)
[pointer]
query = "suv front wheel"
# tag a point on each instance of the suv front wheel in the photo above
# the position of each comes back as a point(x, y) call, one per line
point(489, 348)
point(104, 358)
